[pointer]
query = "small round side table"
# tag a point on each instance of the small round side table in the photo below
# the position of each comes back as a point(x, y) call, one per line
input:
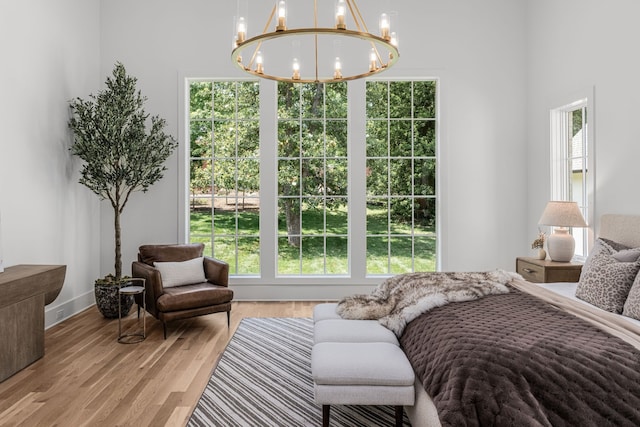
point(135, 286)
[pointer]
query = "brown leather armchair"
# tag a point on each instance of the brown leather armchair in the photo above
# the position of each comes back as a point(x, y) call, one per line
point(181, 302)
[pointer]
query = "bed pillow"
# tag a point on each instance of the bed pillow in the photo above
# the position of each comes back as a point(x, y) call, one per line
point(627, 255)
point(621, 252)
point(632, 305)
point(602, 246)
point(614, 245)
point(181, 273)
point(605, 281)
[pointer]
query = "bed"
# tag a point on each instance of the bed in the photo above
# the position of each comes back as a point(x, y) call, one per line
point(537, 356)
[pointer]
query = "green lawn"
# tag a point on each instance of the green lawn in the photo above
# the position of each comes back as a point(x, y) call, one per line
point(309, 257)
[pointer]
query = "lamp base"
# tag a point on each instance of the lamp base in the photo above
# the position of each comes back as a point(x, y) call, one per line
point(561, 245)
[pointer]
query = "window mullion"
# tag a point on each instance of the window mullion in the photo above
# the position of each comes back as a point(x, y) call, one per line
point(268, 180)
point(357, 179)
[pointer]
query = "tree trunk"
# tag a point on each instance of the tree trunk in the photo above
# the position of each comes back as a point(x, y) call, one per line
point(292, 215)
point(118, 231)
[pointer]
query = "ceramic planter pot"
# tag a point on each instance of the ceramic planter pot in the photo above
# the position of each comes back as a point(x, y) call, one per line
point(107, 300)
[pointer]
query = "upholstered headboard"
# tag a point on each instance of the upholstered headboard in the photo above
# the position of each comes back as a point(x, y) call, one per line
point(623, 229)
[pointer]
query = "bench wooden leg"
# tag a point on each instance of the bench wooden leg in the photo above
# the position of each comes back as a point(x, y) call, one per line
point(326, 409)
point(399, 415)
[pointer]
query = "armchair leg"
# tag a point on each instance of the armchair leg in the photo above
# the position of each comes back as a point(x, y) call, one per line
point(164, 327)
point(229, 319)
point(138, 311)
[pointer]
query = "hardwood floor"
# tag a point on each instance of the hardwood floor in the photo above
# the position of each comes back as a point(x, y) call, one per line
point(87, 378)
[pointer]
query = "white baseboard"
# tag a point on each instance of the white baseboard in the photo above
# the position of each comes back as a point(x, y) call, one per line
point(56, 314)
point(245, 292)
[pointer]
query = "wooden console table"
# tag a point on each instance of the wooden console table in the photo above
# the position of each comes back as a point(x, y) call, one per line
point(24, 291)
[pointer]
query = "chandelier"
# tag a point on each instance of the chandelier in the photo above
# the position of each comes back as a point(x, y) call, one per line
point(314, 54)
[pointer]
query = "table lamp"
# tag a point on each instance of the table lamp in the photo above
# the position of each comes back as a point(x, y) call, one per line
point(561, 215)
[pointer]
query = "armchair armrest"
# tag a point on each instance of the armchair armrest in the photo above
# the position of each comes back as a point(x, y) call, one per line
point(153, 283)
point(216, 271)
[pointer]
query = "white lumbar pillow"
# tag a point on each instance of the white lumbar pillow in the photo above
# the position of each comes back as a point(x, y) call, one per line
point(181, 273)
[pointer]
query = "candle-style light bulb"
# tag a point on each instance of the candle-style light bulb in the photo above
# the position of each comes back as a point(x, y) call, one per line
point(341, 10)
point(394, 42)
point(282, 16)
point(373, 60)
point(242, 30)
point(337, 73)
point(296, 69)
point(259, 66)
point(385, 26)
point(394, 39)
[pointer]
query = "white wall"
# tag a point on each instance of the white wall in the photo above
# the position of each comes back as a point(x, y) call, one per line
point(502, 63)
point(476, 48)
point(575, 46)
point(50, 54)
point(54, 51)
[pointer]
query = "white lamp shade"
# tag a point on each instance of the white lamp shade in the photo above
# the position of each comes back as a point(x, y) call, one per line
point(561, 244)
point(562, 214)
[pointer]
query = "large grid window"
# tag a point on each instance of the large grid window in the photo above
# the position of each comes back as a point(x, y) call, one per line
point(224, 172)
point(312, 179)
point(313, 183)
point(401, 176)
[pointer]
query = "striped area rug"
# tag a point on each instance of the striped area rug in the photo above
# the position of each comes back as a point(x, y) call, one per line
point(264, 379)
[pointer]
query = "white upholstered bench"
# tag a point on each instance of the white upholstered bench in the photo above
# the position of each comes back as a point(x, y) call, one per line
point(358, 362)
point(352, 331)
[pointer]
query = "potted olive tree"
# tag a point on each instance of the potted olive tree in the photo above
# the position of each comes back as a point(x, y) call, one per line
point(120, 156)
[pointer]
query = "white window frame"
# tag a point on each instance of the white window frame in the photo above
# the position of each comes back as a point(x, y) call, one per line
point(270, 286)
point(389, 197)
point(561, 165)
point(301, 197)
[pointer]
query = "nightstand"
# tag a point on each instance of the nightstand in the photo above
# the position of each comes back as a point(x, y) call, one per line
point(545, 271)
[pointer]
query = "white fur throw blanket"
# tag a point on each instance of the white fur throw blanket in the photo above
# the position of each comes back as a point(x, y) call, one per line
point(400, 299)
